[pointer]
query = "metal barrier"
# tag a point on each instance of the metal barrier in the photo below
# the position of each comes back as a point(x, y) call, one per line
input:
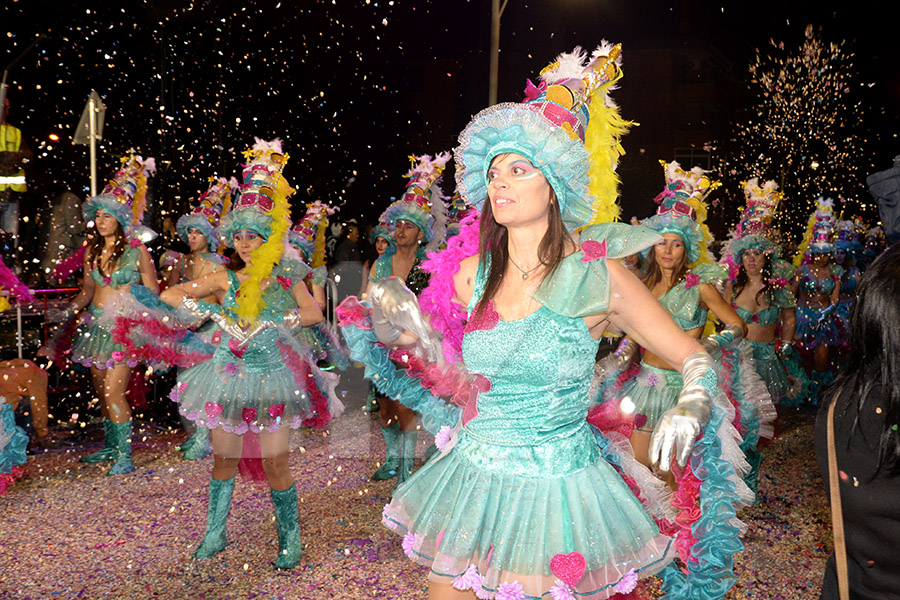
point(33, 314)
point(331, 302)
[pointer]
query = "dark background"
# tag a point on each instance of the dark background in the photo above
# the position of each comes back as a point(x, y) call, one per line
point(354, 86)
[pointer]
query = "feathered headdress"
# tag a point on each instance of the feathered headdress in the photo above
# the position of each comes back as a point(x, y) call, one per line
point(754, 229)
point(819, 231)
point(206, 215)
point(567, 126)
point(423, 202)
point(261, 207)
point(125, 196)
point(308, 234)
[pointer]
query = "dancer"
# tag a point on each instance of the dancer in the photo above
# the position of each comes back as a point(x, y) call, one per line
point(115, 259)
point(679, 272)
point(759, 290)
point(256, 382)
point(521, 502)
point(417, 218)
point(308, 238)
point(817, 288)
point(845, 252)
point(866, 401)
point(200, 231)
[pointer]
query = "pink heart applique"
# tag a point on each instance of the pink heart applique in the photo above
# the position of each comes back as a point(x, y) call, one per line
point(593, 250)
point(286, 282)
point(213, 409)
point(248, 414)
point(217, 337)
point(236, 348)
point(569, 567)
point(690, 280)
point(485, 321)
point(276, 410)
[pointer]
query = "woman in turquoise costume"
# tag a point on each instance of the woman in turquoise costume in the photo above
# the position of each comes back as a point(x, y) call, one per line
point(381, 238)
point(200, 231)
point(817, 288)
point(114, 260)
point(522, 501)
point(680, 274)
point(418, 220)
point(307, 237)
point(258, 384)
point(846, 249)
point(759, 290)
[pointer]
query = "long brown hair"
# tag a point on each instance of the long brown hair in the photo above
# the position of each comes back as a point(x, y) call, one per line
point(95, 248)
point(653, 274)
point(493, 239)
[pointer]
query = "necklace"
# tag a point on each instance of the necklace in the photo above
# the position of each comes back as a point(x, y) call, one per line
point(524, 272)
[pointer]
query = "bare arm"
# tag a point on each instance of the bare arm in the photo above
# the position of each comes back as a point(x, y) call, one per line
point(207, 285)
point(635, 311)
point(86, 294)
point(788, 323)
point(148, 271)
point(173, 272)
point(464, 280)
point(310, 313)
point(364, 288)
point(710, 296)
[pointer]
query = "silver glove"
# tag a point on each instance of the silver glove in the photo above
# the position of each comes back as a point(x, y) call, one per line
point(783, 347)
point(617, 361)
point(190, 313)
point(678, 428)
point(395, 310)
point(58, 315)
point(730, 334)
point(231, 327)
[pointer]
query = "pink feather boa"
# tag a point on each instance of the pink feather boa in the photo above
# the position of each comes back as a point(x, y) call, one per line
point(17, 289)
point(69, 264)
point(445, 314)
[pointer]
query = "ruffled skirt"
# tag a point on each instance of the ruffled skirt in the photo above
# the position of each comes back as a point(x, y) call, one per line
point(770, 369)
point(93, 345)
point(653, 391)
point(13, 442)
point(505, 520)
point(816, 328)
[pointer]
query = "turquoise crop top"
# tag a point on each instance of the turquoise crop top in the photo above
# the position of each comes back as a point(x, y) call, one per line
point(127, 270)
point(813, 286)
point(765, 317)
point(683, 300)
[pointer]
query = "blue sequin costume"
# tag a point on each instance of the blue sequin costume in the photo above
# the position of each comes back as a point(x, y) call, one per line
point(93, 345)
point(849, 282)
point(260, 388)
point(817, 326)
point(523, 480)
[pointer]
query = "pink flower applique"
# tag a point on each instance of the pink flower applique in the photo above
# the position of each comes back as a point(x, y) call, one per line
point(754, 318)
point(485, 321)
point(691, 280)
point(593, 250)
point(231, 368)
point(410, 541)
point(561, 591)
point(652, 379)
point(510, 591)
point(134, 242)
point(627, 584)
point(470, 579)
point(352, 312)
point(443, 437)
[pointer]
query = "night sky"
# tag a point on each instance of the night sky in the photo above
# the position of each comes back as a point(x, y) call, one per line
point(352, 86)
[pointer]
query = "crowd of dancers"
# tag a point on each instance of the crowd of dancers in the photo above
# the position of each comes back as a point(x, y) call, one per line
point(559, 468)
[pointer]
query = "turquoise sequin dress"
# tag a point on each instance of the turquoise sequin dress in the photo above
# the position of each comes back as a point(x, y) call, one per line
point(93, 345)
point(262, 386)
point(521, 486)
point(818, 326)
point(655, 390)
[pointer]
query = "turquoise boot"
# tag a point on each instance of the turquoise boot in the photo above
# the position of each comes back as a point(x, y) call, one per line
point(287, 518)
point(122, 440)
point(391, 465)
point(197, 446)
point(214, 540)
point(107, 452)
point(407, 454)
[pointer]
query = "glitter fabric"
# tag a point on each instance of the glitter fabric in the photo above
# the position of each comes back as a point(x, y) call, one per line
point(683, 300)
point(261, 386)
point(525, 480)
point(93, 345)
point(653, 391)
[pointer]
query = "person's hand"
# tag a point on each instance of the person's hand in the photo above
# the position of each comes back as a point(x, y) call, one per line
point(678, 428)
point(730, 334)
point(58, 315)
point(192, 312)
point(396, 310)
point(783, 348)
point(617, 361)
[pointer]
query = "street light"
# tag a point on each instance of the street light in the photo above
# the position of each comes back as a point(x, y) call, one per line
point(496, 12)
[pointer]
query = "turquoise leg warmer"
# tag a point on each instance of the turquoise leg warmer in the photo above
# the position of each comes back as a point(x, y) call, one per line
point(287, 519)
point(214, 540)
point(108, 451)
point(391, 465)
point(122, 440)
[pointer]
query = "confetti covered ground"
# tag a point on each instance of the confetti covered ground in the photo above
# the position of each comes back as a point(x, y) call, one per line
point(68, 531)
